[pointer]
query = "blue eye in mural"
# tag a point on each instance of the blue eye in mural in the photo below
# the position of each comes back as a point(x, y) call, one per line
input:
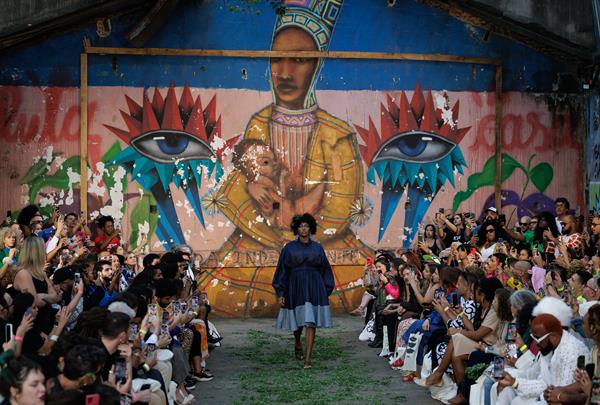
point(169, 143)
point(417, 153)
point(415, 146)
point(165, 146)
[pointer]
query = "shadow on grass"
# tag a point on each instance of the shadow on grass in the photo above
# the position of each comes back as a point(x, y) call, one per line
point(275, 377)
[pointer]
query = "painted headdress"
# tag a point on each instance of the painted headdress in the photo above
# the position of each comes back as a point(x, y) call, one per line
point(315, 17)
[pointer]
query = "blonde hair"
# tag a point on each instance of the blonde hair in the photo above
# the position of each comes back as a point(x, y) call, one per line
point(33, 257)
point(4, 232)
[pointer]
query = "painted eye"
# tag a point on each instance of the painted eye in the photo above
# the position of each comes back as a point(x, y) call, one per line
point(166, 146)
point(415, 146)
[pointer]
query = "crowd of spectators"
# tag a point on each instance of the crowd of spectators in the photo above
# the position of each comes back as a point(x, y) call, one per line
point(85, 321)
point(481, 312)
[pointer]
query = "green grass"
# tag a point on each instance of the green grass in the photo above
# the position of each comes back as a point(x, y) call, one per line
point(273, 376)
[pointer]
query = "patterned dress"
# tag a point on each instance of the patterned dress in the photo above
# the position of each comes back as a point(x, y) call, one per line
point(305, 279)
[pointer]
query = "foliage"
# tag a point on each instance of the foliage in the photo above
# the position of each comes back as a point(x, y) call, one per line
point(335, 378)
point(540, 175)
point(474, 372)
point(37, 176)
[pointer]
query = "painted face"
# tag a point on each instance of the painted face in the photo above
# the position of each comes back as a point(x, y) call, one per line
point(292, 76)
point(260, 161)
point(33, 391)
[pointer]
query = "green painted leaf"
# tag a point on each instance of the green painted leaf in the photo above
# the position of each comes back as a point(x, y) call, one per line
point(38, 169)
point(509, 164)
point(487, 177)
point(108, 177)
point(541, 176)
point(59, 180)
point(139, 215)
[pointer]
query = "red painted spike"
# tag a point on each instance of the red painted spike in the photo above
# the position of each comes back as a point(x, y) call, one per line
point(364, 152)
point(232, 141)
point(429, 121)
point(374, 139)
point(187, 101)
point(392, 108)
point(135, 110)
point(158, 103)
point(455, 109)
point(195, 123)
point(363, 133)
point(149, 123)
point(459, 134)
point(406, 119)
point(388, 128)
point(417, 102)
point(216, 131)
point(446, 131)
point(123, 135)
point(171, 118)
point(134, 126)
point(210, 112)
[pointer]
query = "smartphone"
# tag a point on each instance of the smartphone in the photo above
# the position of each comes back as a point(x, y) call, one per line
point(511, 333)
point(92, 399)
point(133, 331)
point(195, 302)
point(472, 215)
point(184, 307)
point(473, 252)
point(150, 348)
point(441, 210)
point(29, 311)
point(145, 387)
point(120, 370)
point(502, 218)
point(595, 398)
point(454, 300)
point(152, 313)
point(153, 209)
point(498, 367)
point(8, 214)
point(176, 308)
point(438, 295)
point(581, 362)
point(276, 205)
point(511, 350)
point(76, 278)
point(369, 261)
point(500, 240)
point(8, 332)
point(165, 317)
point(164, 329)
point(590, 368)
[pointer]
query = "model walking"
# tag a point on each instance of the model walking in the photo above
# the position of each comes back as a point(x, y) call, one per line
point(303, 282)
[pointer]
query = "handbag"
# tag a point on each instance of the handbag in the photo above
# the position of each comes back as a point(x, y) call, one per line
point(368, 332)
point(412, 348)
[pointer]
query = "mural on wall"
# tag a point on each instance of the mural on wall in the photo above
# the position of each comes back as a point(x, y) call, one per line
point(417, 153)
point(593, 152)
point(224, 169)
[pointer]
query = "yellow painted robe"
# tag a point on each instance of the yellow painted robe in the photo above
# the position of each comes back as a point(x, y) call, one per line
point(332, 157)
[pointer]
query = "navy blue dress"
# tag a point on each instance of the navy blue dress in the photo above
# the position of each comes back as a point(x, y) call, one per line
point(305, 279)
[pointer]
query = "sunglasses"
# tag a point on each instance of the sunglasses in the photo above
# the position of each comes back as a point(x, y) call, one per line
point(524, 224)
point(533, 222)
point(490, 230)
point(540, 339)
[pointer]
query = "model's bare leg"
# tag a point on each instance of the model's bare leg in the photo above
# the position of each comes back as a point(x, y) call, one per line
point(436, 377)
point(298, 352)
point(310, 340)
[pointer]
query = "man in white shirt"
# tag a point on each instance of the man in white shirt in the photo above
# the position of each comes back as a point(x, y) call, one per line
point(561, 206)
point(553, 366)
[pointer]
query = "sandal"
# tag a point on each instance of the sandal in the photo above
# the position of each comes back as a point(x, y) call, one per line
point(409, 378)
point(187, 398)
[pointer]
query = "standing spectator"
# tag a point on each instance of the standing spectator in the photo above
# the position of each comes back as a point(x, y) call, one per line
point(32, 278)
point(110, 237)
point(431, 244)
point(105, 286)
point(561, 206)
point(488, 238)
point(570, 235)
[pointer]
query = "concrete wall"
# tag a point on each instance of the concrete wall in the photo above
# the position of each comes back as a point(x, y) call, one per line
point(363, 200)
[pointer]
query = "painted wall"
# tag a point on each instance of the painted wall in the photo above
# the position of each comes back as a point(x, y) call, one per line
point(390, 142)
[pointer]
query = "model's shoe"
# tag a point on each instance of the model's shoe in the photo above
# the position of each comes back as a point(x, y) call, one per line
point(377, 344)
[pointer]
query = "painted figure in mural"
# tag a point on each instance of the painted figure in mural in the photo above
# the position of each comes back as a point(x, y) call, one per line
point(317, 152)
point(303, 282)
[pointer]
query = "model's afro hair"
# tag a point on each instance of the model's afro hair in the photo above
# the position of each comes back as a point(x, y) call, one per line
point(304, 218)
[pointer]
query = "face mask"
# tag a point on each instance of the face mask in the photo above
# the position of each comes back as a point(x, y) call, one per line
point(545, 351)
